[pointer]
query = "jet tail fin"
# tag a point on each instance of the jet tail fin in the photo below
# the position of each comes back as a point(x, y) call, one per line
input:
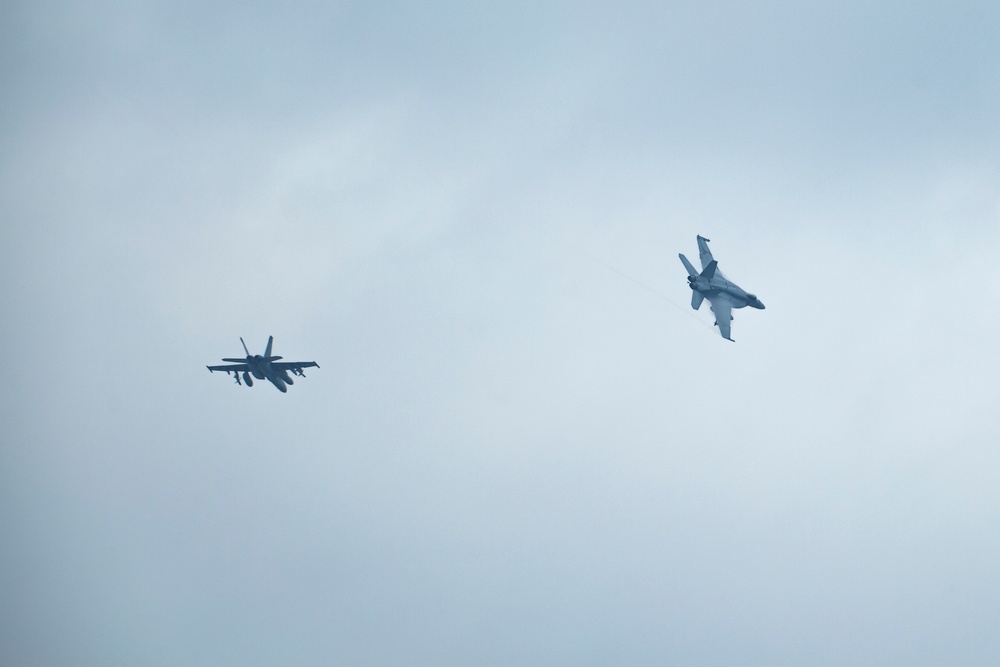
point(687, 265)
point(245, 346)
point(270, 342)
point(709, 271)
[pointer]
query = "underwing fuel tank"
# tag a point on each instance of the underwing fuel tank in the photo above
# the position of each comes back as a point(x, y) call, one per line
point(248, 379)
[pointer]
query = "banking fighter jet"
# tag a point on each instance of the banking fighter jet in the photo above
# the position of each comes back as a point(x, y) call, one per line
point(712, 285)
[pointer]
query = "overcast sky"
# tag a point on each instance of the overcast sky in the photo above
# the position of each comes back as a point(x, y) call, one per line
point(522, 447)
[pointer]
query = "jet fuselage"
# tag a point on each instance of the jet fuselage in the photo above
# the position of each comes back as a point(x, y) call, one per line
point(261, 368)
point(718, 285)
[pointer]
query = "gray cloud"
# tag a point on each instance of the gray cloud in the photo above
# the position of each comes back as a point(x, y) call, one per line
point(522, 446)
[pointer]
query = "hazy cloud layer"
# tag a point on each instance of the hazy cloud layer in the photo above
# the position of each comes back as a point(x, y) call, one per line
point(522, 447)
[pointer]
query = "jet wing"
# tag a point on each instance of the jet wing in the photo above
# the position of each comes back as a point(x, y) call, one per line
point(704, 254)
point(237, 368)
point(293, 365)
point(723, 309)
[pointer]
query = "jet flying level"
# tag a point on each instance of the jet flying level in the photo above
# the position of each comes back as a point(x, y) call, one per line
point(263, 367)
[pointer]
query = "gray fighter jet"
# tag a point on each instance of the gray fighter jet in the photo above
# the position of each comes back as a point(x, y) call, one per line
point(266, 366)
point(712, 285)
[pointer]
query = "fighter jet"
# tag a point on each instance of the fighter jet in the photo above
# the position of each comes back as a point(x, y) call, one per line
point(267, 366)
point(712, 285)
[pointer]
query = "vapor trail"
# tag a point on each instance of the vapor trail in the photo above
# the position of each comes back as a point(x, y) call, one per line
point(641, 284)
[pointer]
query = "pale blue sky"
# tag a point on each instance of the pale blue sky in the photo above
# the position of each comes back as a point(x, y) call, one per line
point(512, 454)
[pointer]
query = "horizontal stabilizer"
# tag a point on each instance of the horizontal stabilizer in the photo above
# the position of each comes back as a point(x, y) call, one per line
point(236, 361)
point(696, 299)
